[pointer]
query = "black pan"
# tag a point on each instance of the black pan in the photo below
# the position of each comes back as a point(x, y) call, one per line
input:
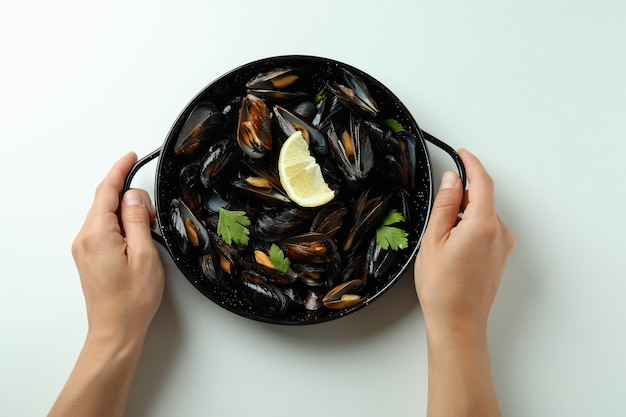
point(220, 91)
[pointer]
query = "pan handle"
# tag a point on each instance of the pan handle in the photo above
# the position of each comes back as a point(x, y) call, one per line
point(450, 151)
point(129, 178)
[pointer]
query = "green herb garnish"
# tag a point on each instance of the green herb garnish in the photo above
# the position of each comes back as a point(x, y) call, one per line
point(319, 95)
point(278, 258)
point(389, 236)
point(394, 125)
point(232, 226)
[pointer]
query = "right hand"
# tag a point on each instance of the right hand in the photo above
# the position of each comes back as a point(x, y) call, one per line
point(120, 269)
point(460, 263)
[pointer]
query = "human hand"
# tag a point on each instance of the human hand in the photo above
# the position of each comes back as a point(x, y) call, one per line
point(120, 269)
point(458, 267)
point(122, 278)
point(457, 274)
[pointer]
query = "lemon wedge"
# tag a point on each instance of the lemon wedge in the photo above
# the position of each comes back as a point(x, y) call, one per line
point(300, 175)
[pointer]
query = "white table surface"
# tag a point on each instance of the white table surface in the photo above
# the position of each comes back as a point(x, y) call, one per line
point(537, 89)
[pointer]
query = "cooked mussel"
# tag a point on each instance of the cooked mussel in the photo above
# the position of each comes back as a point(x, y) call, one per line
point(305, 109)
point(279, 223)
point(264, 264)
point(203, 123)
point(314, 257)
point(309, 298)
point(310, 247)
point(261, 189)
point(210, 267)
point(355, 94)
point(399, 150)
point(275, 84)
point(190, 185)
point(289, 122)
point(279, 78)
point(263, 184)
point(227, 256)
point(329, 218)
point(378, 260)
point(313, 275)
point(273, 275)
point(368, 213)
point(231, 112)
point(351, 148)
point(268, 299)
point(218, 159)
point(190, 232)
point(254, 129)
point(344, 295)
point(216, 198)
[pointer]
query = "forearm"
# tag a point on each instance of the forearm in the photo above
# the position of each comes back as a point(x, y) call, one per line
point(459, 374)
point(100, 381)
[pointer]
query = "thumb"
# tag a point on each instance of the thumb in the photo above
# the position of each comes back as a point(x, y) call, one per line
point(136, 214)
point(445, 207)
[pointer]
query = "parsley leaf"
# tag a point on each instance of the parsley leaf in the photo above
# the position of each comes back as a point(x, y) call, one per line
point(278, 258)
point(392, 237)
point(388, 236)
point(232, 226)
point(394, 216)
point(394, 125)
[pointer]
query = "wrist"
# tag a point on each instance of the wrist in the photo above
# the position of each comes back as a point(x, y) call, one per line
point(463, 330)
point(102, 377)
point(116, 342)
point(459, 368)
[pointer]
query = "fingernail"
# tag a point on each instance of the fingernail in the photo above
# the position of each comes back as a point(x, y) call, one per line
point(448, 180)
point(132, 198)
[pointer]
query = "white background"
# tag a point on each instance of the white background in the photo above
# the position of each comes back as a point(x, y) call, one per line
point(537, 89)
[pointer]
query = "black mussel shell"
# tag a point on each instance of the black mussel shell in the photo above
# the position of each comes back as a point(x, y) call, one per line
point(279, 223)
point(354, 93)
point(379, 260)
point(200, 128)
point(344, 295)
point(268, 299)
point(220, 156)
point(367, 216)
point(351, 148)
point(191, 234)
point(330, 218)
point(290, 122)
point(190, 185)
point(254, 128)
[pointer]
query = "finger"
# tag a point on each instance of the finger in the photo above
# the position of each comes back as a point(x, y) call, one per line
point(480, 196)
point(446, 206)
point(108, 193)
point(103, 214)
point(136, 214)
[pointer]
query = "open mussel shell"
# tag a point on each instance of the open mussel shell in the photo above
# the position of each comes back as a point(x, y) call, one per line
point(277, 84)
point(268, 299)
point(276, 79)
point(254, 130)
point(218, 159)
point(344, 295)
point(354, 93)
point(203, 123)
point(324, 91)
point(290, 122)
point(351, 147)
point(191, 234)
point(279, 223)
